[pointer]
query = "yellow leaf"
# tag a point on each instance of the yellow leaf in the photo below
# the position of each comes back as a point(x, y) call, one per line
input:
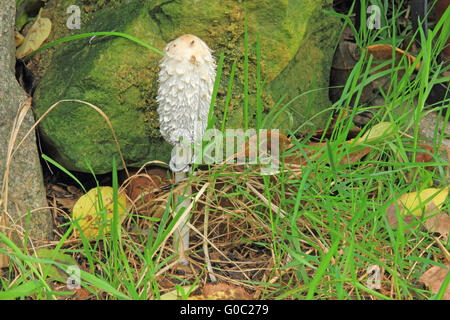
point(380, 130)
point(416, 202)
point(35, 37)
point(89, 211)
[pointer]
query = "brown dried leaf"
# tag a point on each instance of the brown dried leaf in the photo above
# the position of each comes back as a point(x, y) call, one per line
point(57, 190)
point(66, 203)
point(439, 223)
point(425, 156)
point(434, 277)
point(336, 119)
point(145, 185)
point(74, 191)
point(312, 153)
point(392, 217)
point(250, 147)
point(384, 52)
point(222, 291)
point(355, 156)
point(82, 294)
point(66, 196)
point(318, 147)
point(144, 190)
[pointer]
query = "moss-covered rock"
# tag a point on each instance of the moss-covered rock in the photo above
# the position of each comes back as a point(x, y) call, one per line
point(120, 77)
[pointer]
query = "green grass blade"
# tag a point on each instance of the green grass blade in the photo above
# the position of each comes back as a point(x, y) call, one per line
point(90, 35)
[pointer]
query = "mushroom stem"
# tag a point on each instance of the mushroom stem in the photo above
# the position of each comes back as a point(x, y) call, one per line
point(181, 236)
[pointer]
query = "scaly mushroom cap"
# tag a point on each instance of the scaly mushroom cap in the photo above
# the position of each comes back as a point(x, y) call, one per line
point(186, 81)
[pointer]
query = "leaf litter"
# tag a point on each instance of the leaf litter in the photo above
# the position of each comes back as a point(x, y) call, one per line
point(238, 230)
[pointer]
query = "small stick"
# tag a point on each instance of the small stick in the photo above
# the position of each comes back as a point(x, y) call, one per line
point(266, 202)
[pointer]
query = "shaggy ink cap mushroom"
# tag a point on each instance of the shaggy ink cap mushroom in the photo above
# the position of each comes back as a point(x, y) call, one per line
point(186, 82)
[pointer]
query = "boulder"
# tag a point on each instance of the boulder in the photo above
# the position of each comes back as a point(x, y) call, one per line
point(120, 76)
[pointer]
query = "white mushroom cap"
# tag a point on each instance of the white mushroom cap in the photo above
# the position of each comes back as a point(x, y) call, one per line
point(186, 82)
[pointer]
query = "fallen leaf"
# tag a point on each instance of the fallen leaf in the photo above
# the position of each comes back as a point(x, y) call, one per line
point(411, 206)
point(355, 156)
point(428, 199)
point(66, 196)
point(438, 223)
point(89, 211)
point(82, 294)
point(66, 203)
point(144, 189)
point(250, 147)
point(35, 37)
point(318, 148)
point(222, 291)
point(425, 156)
point(145, 185)
point(312, 152)
point(339, 117)
point(19, 38)
point(4, 259)
point(384, 52)
point(380, 130)
point(434, 277)
point(393, 216)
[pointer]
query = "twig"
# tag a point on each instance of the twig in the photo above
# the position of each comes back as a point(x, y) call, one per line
point(266, 202)
point(446, 253)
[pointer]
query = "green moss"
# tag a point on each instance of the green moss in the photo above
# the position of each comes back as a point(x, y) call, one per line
point(105, 74)
point(221, 26)
point(310, 68)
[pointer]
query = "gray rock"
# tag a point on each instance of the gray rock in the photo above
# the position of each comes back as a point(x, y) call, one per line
point(25, 182)
point(432, 131)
